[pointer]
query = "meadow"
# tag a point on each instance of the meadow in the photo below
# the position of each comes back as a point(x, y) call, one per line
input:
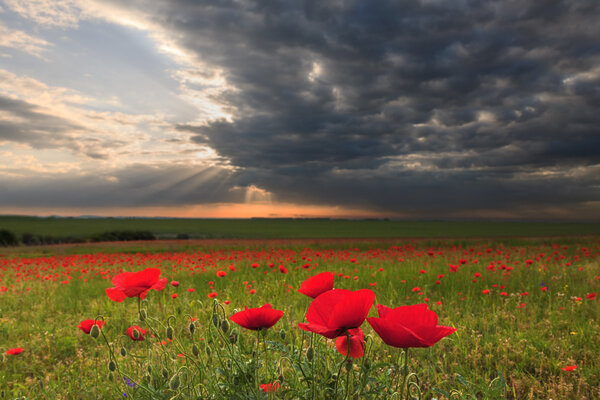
point(170, 228)
point(525, 313)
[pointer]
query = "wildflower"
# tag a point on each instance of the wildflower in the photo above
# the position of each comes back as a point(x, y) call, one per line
point(408, 326)
point(357, 343)
point(86, 325)
point(269, 387)
point(257, 318)
point(336, 311)
point(318, 284)
point(14, 352)
point(136, 333)
point(569, 368)
point(135, 284)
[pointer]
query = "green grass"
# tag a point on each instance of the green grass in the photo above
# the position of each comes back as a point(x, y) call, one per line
point(497, 340)
point(291, 228)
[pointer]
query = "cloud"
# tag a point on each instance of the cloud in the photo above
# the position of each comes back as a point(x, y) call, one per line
point(137, 185)
point(424, 108)
point(49, 13)
point(20, 40)
point(485, 95)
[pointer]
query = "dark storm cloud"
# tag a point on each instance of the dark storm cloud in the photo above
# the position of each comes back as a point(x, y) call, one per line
point(488, 94)
point(432, 107)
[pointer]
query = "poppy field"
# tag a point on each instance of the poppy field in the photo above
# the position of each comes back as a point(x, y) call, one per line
point(405, 319)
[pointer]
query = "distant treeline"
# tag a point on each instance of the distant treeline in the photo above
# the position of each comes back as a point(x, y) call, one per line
point(8, 238)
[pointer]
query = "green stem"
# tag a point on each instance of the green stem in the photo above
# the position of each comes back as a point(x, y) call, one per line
point(256, 348)
point(347, 370)
point(405, 374)
point(312, 366)
point(340, 367)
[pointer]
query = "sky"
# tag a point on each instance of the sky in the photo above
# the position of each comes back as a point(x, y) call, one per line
point(416, 109)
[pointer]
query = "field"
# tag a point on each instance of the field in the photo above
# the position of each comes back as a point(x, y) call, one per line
point(289, 228)
point(525, 312)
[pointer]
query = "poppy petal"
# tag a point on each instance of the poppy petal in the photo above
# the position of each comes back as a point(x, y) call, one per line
point(351, 311)
point(116, 294)
point(396, 335)
point(357, 344)
point(319, 310)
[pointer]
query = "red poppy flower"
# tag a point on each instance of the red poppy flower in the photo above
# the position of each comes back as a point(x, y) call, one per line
point(135, 284)
point(14, 352)
point(141, 332)
point(86, 325)
point(257, 318)
point(357, 343)
point(570, 368)
point(409, 326)
point(336, 311)
point(315, 285)
point(269, 387)
point(283, 269)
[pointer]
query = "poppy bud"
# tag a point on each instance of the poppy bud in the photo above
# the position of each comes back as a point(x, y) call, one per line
point(192, 328)
point(215, 320)
point(135, 333)
point(123, 351)
point(348, 365)
point(234, 336)
point(111, 376)
point(146, 379)
point(170, 332)
point(225, 326)
point(282, 334)
point(111, 365)
point(310, 353)
point(207, 349)
point(95, 331)
point(143, 314)
point(367, 364)
point(195, 350)
point(149, 369)
point(280, 378)
point(174, 382)
point(165, 373)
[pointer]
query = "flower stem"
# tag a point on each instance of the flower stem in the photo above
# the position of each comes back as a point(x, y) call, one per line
point(404, 374)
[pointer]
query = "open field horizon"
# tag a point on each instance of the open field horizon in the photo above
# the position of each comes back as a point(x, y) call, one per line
point(170, 228)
